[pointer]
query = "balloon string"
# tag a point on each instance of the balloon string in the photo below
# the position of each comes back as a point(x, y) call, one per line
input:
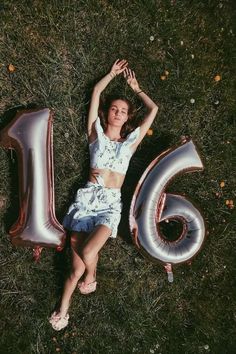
point(170, 275)
point(12, 158)
point(37, 253)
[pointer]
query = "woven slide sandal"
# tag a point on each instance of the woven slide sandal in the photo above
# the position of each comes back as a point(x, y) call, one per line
point(58, 322)
point(86, 289)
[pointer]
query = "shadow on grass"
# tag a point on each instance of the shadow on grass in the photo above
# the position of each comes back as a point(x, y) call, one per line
point(61, 262)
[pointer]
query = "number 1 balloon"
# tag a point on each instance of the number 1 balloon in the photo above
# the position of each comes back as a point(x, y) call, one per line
point(151, 205)
point(30, 135)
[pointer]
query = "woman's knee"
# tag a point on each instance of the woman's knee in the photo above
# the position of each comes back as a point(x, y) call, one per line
point(88, 256)
point(76, 273)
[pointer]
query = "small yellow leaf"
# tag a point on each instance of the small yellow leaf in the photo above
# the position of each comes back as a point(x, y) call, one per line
point(11, 68)
point(166, 72)
point(227, 202)
point(150, 132)
point(217, 78)
point(222, 184)
point(163, 77)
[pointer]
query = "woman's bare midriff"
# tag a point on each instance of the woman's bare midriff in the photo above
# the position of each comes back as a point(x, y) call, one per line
point(110, 178)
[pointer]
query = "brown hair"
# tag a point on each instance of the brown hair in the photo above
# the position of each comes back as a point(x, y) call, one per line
point(104, 106)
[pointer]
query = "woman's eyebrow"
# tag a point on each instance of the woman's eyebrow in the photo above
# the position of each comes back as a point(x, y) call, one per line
point(123, 108)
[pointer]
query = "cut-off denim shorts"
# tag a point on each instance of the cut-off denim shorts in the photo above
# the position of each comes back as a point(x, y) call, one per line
point(94, 205)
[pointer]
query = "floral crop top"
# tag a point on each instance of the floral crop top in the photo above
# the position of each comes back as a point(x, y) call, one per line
point(111, 155)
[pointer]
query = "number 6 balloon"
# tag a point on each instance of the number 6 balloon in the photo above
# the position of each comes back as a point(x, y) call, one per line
point(151, 205)
point(30, 135)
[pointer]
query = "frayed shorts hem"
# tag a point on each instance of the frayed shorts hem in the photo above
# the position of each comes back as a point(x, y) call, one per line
point(87, 225)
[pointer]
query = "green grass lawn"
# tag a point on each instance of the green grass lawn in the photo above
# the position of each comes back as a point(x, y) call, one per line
point(59, 50)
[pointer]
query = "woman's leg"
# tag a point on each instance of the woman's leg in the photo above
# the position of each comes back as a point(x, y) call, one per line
point(78, 268)
point(87, 259)
point(90, 248)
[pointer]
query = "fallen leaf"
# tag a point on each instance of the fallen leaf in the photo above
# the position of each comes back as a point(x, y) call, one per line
point(163, 77)
point(222, 184)
point(11, 68)
point(229, 203)
point(150, 132)
point(217, 78)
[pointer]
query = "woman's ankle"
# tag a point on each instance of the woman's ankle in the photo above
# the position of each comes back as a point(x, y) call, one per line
point(62, 312)
point(89, 279)
point(63, 309)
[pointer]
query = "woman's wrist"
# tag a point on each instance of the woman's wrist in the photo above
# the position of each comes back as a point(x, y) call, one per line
point(138, 91)
point(112, 74)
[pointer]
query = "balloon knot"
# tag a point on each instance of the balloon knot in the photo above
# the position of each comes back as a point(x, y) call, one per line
point(37, 253)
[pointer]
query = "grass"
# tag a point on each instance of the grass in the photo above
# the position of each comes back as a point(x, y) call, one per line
point(60, 49)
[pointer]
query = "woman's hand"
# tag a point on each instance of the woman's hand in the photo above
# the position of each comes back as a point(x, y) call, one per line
point(118, 67)
point(129, 75)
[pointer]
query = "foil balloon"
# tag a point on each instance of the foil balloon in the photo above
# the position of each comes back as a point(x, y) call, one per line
point(151, 204)
point(30, 135)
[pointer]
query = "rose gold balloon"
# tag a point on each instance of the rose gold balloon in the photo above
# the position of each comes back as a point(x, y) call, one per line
point(151, 205)
point(30, 135)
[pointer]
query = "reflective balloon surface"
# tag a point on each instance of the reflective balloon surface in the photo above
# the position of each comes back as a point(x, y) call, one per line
point(30, 135)
point(151, 205)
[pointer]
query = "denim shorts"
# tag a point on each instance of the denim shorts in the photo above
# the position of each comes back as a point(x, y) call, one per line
point(94, 205)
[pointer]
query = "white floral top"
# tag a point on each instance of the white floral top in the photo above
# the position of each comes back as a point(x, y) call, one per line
point(111, 155)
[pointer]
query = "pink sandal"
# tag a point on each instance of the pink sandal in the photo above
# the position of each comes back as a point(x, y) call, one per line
point(87, 288)
point(58, 322)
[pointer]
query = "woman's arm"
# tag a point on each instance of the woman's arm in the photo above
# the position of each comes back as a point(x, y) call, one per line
point(117, 68)
point(151, 106)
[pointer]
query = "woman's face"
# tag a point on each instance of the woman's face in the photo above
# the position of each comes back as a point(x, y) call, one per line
point(118, 113)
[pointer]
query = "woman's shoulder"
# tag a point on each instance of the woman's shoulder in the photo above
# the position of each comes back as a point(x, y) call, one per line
point(132, 136)
point(99, 133)
point(98, 125)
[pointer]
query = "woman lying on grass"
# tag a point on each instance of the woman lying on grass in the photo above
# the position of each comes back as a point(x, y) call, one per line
point(96, 212)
